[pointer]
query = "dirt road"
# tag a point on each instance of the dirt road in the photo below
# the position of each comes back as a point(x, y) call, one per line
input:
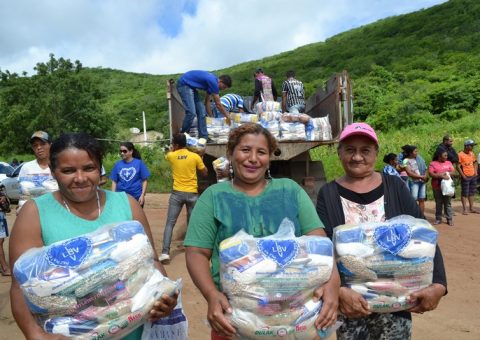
point(456, 317)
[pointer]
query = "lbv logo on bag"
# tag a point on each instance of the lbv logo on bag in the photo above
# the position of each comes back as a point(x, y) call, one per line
point(70, 253)
point(393, 238)
point(282, 252)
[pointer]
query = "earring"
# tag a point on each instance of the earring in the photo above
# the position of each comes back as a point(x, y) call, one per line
point(269, 175)
point(230, 169)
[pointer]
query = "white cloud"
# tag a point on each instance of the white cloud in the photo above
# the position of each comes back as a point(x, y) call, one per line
point(126, 35)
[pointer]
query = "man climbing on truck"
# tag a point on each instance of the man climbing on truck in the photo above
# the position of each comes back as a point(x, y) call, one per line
point(188, 86)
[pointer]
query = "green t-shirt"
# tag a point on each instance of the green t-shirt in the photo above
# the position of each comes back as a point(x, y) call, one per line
point(221, 211)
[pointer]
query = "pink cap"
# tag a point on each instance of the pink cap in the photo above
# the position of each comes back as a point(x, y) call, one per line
point(359, 129)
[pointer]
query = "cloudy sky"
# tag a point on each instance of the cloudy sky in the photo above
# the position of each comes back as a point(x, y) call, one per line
point(173, 36)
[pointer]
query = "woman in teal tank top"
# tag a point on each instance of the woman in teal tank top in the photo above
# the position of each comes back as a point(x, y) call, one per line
point(78, 207)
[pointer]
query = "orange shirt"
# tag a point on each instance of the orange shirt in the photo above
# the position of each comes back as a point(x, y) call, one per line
point(467, 161)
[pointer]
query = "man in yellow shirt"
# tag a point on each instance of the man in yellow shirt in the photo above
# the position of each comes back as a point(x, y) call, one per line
point(184, 164)
point(467, 168)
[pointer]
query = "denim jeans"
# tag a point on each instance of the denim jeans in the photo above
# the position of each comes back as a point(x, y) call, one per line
point(194, 107)
point(444, 202)
point(297, 108)
point(418, 190)
point(175, 204)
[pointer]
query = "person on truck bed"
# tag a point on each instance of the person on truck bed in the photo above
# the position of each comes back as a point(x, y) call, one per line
point(231, 102)
point(264, 88)
point(188, 86)
point(293, 94)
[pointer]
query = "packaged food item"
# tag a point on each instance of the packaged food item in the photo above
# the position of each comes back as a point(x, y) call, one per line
point(100, 285)
point(196, 145)
point(386, 261)
point(270, 282)
point(218, 130)
point(318, 129)
point(221, 166)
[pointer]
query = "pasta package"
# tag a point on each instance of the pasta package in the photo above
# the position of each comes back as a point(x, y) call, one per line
point(100, 285)
point(270, 282)
point(386, 261)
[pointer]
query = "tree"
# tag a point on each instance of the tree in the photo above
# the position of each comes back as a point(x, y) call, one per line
point(58, 98)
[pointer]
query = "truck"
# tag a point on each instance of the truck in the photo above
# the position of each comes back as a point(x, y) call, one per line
point(292, 159)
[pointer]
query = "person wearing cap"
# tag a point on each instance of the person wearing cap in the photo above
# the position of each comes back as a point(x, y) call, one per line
point(188, 86)
point(35, 177)
point(264, 88)
point(467, 168)
point(293, 94)
point(364, 195)
point(231, 102)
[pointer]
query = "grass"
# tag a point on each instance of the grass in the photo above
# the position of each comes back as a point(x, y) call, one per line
point(426, 138)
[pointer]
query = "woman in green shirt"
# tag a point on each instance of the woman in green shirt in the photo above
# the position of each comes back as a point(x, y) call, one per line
point(256, 203)
point(78, 207)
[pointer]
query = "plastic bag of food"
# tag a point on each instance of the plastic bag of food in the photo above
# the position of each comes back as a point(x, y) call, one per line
point(268, 105)
point(318, 129)
point(270, 281)
point(196, 145)
point(221, 167)
point(100, 285)
point(386, 261)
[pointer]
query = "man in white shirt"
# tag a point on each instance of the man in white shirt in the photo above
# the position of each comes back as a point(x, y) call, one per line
point(35, 177)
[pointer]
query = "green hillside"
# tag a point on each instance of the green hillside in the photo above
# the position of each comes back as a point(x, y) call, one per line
point(409, 70)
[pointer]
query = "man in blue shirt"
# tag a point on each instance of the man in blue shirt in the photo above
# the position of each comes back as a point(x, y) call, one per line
point(231, 102)
point(188, 86)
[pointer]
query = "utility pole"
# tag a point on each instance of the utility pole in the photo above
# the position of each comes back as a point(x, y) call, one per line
point(144, 128)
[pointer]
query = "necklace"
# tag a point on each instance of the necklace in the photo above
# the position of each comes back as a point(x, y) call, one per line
point(98, 204)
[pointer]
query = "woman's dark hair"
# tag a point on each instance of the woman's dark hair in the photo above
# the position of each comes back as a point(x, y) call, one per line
point(389, 157)
point(408, 149)
point(80, 141)
point(438, 153)
point(250, 128)
point(131, 147)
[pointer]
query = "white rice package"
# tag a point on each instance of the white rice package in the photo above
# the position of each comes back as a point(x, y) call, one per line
point(386, 261)
point(270, 282)
point(100, 285)
point(36, 185)
point(218, 130)
point(318, 129)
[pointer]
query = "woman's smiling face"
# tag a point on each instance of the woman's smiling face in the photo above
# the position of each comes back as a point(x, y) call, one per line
point(251, 159)
point(358, 155)
point(77, 175)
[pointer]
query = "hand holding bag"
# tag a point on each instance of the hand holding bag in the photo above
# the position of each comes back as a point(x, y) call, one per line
point(447, 186)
